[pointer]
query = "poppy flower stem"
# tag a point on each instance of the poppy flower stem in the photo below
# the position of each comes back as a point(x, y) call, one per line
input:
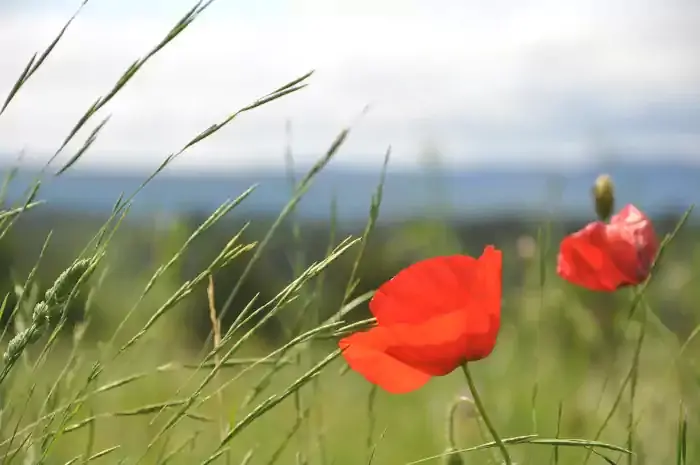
point(484, 416)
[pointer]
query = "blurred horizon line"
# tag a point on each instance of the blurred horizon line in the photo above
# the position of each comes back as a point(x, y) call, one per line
point(269, 166)
point(656, 188)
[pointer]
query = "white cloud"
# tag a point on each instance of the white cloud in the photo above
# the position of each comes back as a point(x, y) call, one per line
point(502, 80)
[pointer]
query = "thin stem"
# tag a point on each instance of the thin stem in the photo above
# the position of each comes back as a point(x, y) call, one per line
point(484, 416)
point(371, 415)
point(451, 443)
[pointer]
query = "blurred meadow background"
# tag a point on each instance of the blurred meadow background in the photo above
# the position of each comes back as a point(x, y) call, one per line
point(217, 289)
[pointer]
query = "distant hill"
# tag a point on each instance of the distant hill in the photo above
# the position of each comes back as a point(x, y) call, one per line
point(656, 187)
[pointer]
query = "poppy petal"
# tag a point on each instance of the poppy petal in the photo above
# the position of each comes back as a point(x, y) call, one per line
point(605, 257)
point(438, 285)
point(422, 290)
point(487, 289)
point(632, 232)
point(443, 343)
point(584, 260)
point(365, 352)
point(401, 357)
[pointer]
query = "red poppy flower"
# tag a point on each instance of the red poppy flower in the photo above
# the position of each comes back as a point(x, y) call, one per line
point(431, 317)
point(605, 257)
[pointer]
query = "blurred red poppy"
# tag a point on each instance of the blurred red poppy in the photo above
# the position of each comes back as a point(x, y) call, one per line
point(431, 317)
point(605, 257)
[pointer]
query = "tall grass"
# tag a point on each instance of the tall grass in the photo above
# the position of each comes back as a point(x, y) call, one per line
point(135, 398)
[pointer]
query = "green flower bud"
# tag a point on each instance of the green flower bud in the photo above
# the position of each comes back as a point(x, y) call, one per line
point(604, 196)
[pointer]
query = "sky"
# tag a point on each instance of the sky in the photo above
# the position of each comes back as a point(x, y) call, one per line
point(499, 82)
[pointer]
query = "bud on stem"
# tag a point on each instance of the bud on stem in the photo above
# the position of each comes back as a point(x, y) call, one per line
point(452, 457)
point(604, 197)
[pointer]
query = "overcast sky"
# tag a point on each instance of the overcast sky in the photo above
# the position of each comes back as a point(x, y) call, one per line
point(482, 81)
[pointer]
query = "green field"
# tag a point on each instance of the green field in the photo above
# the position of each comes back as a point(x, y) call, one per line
point(561, 367)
